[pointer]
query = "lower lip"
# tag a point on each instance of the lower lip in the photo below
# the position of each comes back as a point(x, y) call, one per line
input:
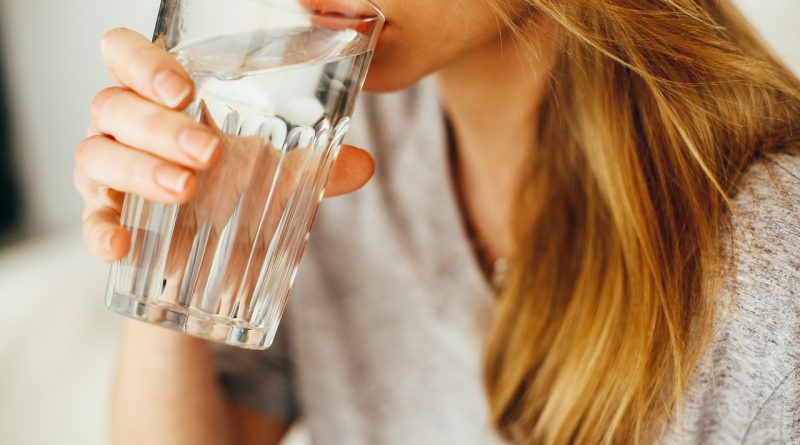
point(345, 7)
point(326, 13)
point(338, 22)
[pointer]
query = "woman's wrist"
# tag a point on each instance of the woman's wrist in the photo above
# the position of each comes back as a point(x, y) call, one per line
point(157, 338)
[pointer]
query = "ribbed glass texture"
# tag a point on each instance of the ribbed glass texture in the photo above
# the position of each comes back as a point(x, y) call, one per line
point(280, 97)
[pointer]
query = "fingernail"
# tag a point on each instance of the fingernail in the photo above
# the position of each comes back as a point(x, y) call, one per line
point(171, 87)
point(109, 240)
point(172, 179)
point(199, 144)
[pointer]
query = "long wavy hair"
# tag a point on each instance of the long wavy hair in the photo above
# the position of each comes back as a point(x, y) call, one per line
point(655, 110)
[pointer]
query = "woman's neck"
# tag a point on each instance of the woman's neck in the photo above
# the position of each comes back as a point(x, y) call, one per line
point(492, 97)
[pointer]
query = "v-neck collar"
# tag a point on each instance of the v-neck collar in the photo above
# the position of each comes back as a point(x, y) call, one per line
point(451, 210)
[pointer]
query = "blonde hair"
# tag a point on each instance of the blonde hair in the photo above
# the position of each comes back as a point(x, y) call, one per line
point(656, 108)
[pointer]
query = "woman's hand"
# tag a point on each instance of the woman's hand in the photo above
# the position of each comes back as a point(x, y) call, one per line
point(141, 142)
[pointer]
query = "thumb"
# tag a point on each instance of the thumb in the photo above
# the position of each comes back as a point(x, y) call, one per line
point(353, 169)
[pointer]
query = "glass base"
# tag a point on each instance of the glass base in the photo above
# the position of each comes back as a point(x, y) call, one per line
point(190, 321)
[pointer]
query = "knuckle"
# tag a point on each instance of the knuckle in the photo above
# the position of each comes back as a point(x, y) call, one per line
point(86, 151)
point(89, 224)
point(99, 104)
point(163, 131)
point(83, 151)
point(129, 176)
point(90, 217)
point(154, 118)
point(111, 36)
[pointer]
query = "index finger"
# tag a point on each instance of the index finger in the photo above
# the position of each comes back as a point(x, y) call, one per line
point(138, 64)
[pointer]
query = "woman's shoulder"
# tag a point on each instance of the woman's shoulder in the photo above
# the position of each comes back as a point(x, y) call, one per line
point(763, 244)
point(747, 388)
point(765, 227)
point(773, 181)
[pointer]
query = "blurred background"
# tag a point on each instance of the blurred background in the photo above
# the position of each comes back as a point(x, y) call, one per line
point(57, 341)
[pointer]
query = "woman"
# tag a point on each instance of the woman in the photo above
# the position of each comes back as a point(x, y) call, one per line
point(634, 165)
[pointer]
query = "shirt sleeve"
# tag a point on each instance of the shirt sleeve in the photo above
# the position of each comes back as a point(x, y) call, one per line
point(259, 380)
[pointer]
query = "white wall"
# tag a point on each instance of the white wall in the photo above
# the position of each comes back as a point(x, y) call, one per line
point(779, 24)
point(53, 64)
point(52, 61)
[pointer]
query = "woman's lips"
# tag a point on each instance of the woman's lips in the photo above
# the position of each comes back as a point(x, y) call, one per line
point(338, 22)
point(345, 14)
point(352, 9)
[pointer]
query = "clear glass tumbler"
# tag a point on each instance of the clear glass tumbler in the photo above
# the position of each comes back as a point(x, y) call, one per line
point(278, 80)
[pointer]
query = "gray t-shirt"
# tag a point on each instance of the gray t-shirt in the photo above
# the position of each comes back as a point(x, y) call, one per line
point(382, 339)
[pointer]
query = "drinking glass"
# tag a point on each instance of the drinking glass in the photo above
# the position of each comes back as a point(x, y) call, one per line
point(277, 79)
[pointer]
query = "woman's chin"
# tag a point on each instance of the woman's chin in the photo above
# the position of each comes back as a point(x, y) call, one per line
point(383, 78)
